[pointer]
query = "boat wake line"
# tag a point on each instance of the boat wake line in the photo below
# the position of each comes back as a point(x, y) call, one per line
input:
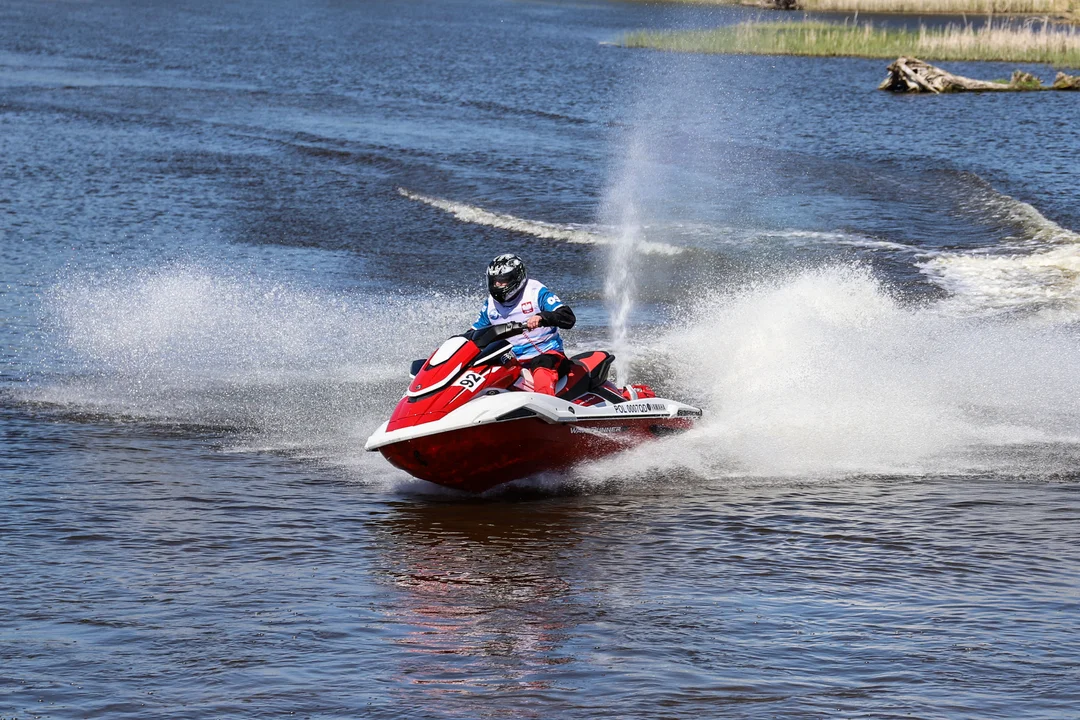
point(570, 233)
point(1035, 271)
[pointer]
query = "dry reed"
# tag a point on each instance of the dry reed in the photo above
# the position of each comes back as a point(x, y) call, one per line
point(1030, 42)
point(1068, 9)
point(946, 7)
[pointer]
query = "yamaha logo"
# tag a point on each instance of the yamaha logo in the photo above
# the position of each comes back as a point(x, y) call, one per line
point(641, 408)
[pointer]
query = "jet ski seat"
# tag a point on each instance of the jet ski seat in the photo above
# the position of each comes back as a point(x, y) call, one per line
point(597, 364)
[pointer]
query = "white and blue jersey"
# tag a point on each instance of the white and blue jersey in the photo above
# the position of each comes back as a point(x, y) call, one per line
point(532, 299)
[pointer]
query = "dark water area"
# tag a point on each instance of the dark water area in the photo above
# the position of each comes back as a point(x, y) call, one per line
point(226, 230)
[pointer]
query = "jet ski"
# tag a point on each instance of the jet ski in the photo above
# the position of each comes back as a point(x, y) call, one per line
point(469, 419)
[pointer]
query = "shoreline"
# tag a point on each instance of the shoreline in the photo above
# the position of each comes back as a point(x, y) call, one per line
point(1064, 11)
point(1048, 45)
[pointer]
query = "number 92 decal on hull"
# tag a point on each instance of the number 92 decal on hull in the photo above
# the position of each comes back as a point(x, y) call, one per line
point(469, 381)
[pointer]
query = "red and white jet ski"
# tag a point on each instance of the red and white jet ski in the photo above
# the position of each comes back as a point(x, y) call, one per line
point(469, 419)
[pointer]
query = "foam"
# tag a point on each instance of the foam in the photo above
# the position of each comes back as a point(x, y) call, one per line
point(1046, 284)
point(277, 367)
point(824, 374)
point(569, 233)
point(1036, 271)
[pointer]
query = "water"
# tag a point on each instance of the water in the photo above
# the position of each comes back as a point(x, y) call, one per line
point(226, 230)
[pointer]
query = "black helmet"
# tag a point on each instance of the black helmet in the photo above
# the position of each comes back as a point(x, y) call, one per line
point(506, 277)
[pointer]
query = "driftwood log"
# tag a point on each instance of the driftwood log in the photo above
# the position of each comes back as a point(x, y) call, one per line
point(1066, 82)
point(910, 75)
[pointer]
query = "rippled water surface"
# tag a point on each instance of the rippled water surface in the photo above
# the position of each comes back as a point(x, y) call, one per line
point(226, 230)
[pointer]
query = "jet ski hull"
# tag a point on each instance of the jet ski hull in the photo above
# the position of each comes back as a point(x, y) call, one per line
point(480, 457)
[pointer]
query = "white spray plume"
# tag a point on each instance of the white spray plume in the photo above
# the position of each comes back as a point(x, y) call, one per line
point(284, 367)
point(826, 374)
point(622, 209)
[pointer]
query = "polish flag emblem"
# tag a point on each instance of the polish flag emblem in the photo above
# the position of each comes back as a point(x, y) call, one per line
point(527, 307)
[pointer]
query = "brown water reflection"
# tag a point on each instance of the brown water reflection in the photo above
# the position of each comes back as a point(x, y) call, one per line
point(489, 595)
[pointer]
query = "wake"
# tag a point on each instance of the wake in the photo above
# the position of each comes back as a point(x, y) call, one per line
point(537, 228)
point(825, 374)
point(1036, 271)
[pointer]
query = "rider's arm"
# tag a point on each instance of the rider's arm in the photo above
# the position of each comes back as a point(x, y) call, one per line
point(554, 312)
point(482, 321)
point(562, 317)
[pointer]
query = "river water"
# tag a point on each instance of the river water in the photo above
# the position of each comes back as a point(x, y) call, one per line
point(226, 229)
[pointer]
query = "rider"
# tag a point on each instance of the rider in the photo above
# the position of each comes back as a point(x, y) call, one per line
point(516, 298)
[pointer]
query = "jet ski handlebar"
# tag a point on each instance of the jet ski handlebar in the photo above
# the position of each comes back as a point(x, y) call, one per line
point(492, 333)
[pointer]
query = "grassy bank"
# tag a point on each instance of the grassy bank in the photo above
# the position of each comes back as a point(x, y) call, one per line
point(944, 7)
point(1056, 8)
point(1031, 43)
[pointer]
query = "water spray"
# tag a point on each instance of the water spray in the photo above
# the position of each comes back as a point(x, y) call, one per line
point(622, 207)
